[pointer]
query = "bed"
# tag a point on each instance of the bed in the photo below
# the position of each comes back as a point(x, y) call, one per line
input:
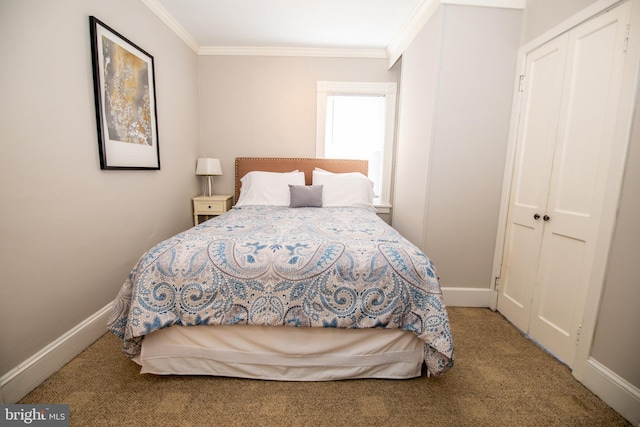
point(300, 281)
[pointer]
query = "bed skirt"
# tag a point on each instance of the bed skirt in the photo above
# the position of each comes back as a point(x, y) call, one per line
point(282, 353)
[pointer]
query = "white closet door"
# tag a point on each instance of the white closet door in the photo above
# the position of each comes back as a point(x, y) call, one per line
point(563, 149)
point(530, 182)
point(578, 182)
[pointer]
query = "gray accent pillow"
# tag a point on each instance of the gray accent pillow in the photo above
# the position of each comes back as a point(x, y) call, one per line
point(303, 196)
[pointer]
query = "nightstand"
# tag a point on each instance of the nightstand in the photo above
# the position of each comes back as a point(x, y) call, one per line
point(210, 206)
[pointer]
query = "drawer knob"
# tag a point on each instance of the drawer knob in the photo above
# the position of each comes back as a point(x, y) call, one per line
point(209, 206)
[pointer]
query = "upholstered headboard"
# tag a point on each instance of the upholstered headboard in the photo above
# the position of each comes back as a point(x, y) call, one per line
point(245, 165)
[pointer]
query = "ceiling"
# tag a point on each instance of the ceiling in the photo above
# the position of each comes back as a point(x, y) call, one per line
point(332, 28)
point(297, 24)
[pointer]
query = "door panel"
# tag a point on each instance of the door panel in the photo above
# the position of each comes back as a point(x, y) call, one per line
point(583, 126)
point(561, 271)
point(537, 132)
point(521, 268)
point(530, 183)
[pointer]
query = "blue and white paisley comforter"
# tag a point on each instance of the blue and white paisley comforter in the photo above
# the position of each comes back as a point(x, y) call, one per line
point(304, 267)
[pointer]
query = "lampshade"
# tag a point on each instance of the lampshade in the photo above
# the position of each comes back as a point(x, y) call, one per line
point(208, 167)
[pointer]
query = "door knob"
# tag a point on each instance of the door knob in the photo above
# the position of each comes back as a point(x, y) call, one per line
point(546, 218)
point(536, 216)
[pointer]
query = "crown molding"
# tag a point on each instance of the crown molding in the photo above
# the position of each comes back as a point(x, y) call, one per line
point(292, 51)
point(171, 22)
point(424, 10)
point(505, 4)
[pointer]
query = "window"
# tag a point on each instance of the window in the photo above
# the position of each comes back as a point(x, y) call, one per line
point(356, 121)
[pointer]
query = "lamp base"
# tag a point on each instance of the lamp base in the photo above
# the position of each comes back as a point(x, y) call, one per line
point(209, 187)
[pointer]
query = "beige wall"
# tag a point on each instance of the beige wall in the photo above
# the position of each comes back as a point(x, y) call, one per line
point(419, 76)
point(617, 338)
point(470, 137)
point(542, 15)
point(266, 105)
point(70, 232)
point(457, 86)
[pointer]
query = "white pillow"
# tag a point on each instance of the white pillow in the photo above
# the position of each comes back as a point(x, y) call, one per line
point(344, 189)
point(268, 188)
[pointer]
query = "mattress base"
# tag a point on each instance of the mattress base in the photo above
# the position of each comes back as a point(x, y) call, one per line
point(282, 353)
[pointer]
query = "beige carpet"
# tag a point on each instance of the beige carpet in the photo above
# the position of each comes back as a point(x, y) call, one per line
point(500, 378)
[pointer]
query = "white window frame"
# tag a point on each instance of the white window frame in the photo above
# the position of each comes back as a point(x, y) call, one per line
point(386, 89)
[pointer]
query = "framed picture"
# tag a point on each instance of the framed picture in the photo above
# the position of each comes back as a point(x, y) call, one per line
point(125, 97)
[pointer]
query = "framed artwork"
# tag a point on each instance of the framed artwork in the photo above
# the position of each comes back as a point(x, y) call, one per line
point(125, 98)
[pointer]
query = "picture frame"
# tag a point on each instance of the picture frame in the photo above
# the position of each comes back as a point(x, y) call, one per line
point(125, 101)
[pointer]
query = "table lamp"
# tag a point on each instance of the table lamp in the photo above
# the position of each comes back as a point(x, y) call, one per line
point(209, 168)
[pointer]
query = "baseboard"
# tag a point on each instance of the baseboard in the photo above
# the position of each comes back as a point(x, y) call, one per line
point(18, 382)
point(615, 391)
point(466, 297)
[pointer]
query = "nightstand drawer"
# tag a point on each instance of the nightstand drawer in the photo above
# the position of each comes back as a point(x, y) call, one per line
point(212, 207)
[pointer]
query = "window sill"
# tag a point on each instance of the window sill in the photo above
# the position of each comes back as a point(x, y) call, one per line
point(382, 208)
